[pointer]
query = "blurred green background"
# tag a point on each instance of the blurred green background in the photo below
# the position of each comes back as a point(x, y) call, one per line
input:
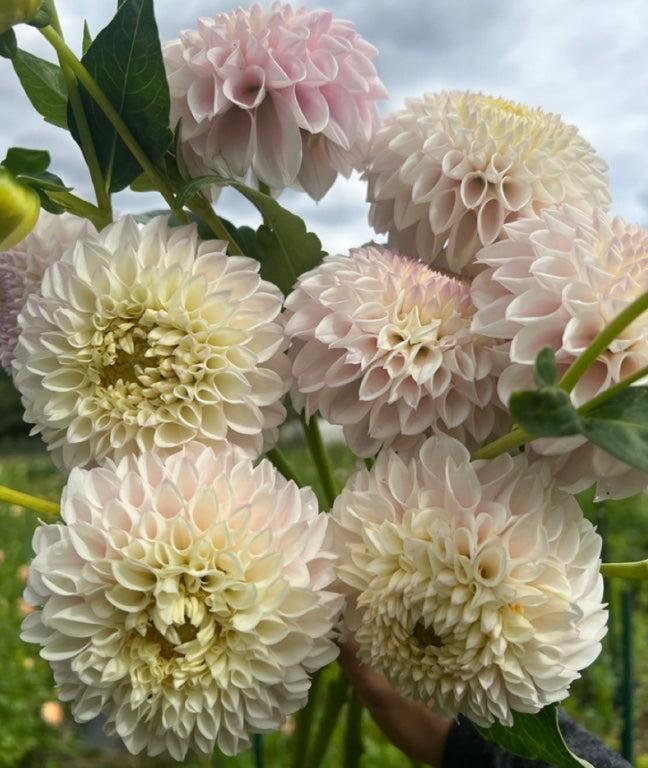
point(611, 699)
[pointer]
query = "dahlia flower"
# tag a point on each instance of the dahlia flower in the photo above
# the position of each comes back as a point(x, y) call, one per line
point(557, 281)
point(382, 345)
point(450, 169)
point(185, 598)
point(289, 96)
point(146, 339)
point(475, 584)
point(22, 268)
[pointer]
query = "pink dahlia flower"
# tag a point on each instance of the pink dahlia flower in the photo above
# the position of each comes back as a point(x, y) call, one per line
point(146, 338)
point(450, 169)
point(382, 345)
point(557, 281)
point(289, 96)
point(22, 268)
point(184, 598)
point(474, 584)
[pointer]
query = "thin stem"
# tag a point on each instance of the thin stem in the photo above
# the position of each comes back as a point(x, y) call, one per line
point(353, 746)
point(636, 570)
point(509, 442)
point(257, 750)
point(26, 500)
point(304, 721)
point(199, 205)
point(608, 393)
point(283, 466)
point(320, 458)
point(601, 342)
point(99, 217)
point(85, 136)
point(336, 697)
point(67, 56)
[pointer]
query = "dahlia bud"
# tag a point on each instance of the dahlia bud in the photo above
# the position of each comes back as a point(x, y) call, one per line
point(16, 11)
point(19, 208)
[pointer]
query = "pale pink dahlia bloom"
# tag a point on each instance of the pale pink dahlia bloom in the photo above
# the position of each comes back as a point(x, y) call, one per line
point(22, 268)
point(184, 598)
point(144, 339)
point(450, 169)
point(289, 95)
point(382, 345)
point(475, 584)
point(557, 281)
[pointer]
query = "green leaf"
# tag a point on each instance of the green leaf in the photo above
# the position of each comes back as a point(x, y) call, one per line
point(125, 59)
point(44, 85)
point(283, 245)
point(619, 425)
point(545, 368)
point(44, 180)
point(20, 160)
point(43, 16)
point(546, 412)
point(537, 737)
point(8, 44)
point(86, 41)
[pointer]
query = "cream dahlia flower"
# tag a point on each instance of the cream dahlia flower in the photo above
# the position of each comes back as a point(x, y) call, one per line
point(557, 281)
point(184, 598)
point(450, 169)
point(288, 95)
point(22, 268)
point(145, 339)
point(382, 345)
point(475, 584)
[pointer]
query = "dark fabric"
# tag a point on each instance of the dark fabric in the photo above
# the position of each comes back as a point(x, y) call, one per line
point(465, 748)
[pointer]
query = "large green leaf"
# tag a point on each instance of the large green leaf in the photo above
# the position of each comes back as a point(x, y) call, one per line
point(537, 737)
point(619, 425)
point(44, 85)
point(125, 59)
point(283, 245)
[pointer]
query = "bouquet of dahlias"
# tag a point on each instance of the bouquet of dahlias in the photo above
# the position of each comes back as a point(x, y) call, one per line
point(485, 362)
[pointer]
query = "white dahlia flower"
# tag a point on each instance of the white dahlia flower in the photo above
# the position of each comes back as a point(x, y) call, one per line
point(144, 339)
point(557, 281)
point(22, 268)
point(289, 95)
point(450, 169)
point(475, 584)
point(382, 345)
point(185, 598)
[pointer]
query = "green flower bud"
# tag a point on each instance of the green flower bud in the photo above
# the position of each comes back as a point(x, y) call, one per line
point(19, 209)
point(16, 11)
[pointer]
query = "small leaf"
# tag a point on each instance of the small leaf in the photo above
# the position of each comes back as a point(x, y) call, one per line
point(44, 85)
point(283, 245)
point(620, 426)
point(125, 59)
point(20, 160)
point(8, 44)
point(537, 737)
point(86, 41)
point(546, 412)
point(44, 180)
point(545, 368)
point(44, 14)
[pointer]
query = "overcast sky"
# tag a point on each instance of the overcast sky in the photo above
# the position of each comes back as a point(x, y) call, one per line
point(586, 60)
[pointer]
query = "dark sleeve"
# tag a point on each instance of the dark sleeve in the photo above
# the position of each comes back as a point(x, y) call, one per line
point(465, 747)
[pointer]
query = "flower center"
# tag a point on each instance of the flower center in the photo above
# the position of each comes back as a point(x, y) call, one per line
point(168, 649)
point(426, 636)
point(124, 357)
point(510, 107)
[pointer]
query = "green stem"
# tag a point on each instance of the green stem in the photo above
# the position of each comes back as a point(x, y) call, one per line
point(264, 188)
point(335, 699)
point(99, 217)
point(67, 57)
point(26, 500)
point(608, 393)
point(509, 442)
point(304, 721)
point(283, 466)
point(199, 205)
point(602, 341)
point(320, 458)
point(637, 570)
point(353, 747)
point(257, 750)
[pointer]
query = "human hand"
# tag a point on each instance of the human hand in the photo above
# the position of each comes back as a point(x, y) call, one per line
point(409, 725)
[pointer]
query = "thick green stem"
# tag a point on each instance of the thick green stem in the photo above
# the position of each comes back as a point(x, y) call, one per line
point(68, 58)
point(283, 466)
point(199, 205)
point(601, 342)
point(320, 458)
point(336, 697)
point(99, 217)
point(353, 746)
point(26, 500)
point(303, 723)
point(637, 570)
